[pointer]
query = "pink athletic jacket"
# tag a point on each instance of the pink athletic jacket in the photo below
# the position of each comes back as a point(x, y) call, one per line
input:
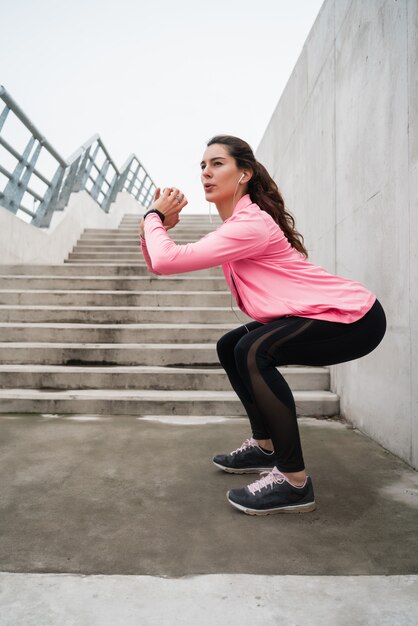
point(267, 276)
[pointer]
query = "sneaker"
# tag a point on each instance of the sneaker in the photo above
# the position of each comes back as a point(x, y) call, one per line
point(273, 494)
point(247, 459)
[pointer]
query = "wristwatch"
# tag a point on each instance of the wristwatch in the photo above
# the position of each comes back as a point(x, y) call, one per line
point(160, 215)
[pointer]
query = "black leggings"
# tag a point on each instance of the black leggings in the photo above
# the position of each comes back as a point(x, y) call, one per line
point(250, 360)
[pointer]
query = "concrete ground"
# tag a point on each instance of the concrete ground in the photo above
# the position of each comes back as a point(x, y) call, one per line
point(137, 501)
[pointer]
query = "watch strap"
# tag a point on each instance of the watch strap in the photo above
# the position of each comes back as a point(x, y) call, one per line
point(160, 215)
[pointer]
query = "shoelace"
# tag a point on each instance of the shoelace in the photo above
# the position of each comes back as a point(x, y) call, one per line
point(268, 480)
point(248, 443)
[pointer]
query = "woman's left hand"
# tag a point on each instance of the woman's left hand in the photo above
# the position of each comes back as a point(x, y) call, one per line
point(170, 204)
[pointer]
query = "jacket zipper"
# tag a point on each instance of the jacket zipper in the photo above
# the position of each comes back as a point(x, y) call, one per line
point(235, 287)
point(240, 300)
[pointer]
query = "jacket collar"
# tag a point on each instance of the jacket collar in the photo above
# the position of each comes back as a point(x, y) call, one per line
point(241, 204)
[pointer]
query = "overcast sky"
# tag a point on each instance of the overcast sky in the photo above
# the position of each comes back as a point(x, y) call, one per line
point(158, 78)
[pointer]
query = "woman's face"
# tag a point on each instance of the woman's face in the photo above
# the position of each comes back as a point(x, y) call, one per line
point(220, 174)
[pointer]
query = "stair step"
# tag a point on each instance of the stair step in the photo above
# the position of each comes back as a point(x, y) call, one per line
point(116, 242)
point(134, 232)
point(116, 247)
point(107, 255)
point(151, 402)
point(109, 354)
point(130, 283)
point(124, 315)
point(112, 333)
point(103, 262)
point(134, 229)
point(134, 236)
point(116, 298)
point(145, 377)
point(94, 270)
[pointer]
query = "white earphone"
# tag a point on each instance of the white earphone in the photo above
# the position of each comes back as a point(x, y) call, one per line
point(210, 214)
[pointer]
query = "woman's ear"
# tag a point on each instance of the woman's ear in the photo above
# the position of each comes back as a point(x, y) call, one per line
point(248, 175)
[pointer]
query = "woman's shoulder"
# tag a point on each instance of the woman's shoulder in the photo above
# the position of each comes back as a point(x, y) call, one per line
point(250, 216)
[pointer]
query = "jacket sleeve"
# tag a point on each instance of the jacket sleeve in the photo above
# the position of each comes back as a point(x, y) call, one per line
point(147, 256)
point(233, 240)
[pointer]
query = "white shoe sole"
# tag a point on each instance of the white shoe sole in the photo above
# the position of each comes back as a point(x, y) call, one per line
point(243, 470)
point(295, 508)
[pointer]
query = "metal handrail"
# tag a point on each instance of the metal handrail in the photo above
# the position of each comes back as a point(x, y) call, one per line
point(80, 172)
point(13, 106)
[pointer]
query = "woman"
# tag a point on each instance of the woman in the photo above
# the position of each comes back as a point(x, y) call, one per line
point(303, 314)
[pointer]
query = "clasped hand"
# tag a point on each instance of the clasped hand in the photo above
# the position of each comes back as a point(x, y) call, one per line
point(170, 204)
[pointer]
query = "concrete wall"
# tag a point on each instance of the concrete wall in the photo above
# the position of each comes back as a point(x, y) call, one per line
point(23, 243)
point(342, 146)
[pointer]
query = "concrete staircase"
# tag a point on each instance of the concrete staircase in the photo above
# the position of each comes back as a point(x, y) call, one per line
point(99, 335)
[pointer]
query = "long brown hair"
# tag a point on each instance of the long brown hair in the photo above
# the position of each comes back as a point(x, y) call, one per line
point(262, 188)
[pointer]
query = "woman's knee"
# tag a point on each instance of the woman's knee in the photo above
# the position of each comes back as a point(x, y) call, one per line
point(226, 344)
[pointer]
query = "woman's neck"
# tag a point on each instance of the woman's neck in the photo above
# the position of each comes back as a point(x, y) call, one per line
point(225, 208)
